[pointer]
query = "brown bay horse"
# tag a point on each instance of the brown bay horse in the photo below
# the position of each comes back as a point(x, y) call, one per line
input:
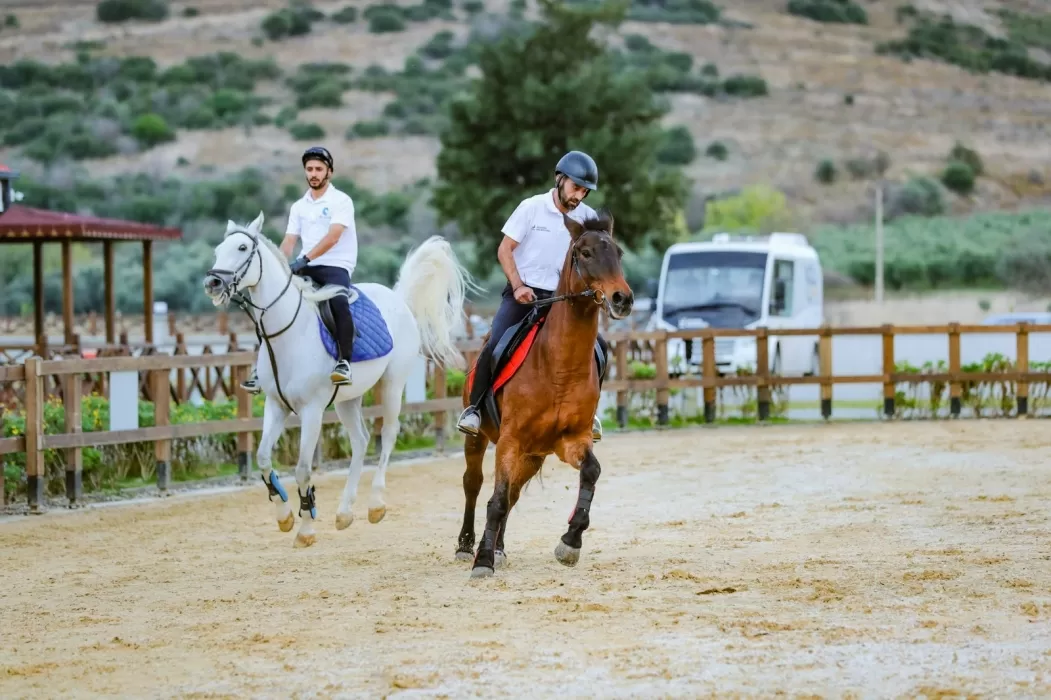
point(547, 406)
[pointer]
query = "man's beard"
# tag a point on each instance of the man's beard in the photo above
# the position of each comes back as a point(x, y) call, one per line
point(321, 182)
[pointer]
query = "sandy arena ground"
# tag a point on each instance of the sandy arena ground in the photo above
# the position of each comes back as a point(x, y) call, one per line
point(865, 560)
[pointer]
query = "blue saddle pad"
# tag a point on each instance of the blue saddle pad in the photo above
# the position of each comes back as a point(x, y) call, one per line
point(371, 336)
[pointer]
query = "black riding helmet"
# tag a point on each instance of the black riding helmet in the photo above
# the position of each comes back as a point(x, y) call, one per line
point(580, 168)
point(318, 153)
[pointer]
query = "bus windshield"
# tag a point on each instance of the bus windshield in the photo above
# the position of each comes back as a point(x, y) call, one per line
point(725, 288)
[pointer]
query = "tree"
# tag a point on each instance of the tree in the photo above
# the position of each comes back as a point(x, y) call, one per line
point(542, 92)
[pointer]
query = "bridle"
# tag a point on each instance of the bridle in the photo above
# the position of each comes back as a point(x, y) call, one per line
point(244, 302)
point(595, 295)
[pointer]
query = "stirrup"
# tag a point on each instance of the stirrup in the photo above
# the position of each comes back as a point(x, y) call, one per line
point(465, 428)
point(339, 378)
point(596, 430)
point(251, 385)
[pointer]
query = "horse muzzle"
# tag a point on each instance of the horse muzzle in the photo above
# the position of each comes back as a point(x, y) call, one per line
point(216, 286)
point(620, 304)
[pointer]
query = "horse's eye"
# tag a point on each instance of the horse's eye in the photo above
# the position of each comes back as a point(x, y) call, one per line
point(243, 247)
point(585, 253)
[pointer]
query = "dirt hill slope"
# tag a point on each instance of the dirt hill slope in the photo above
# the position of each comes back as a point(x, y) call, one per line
point(831, 96)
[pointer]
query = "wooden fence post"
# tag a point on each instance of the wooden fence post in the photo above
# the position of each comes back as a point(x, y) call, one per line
point(622, 375)
point(162, 449)
point(1022, 367)
point(3, 485)
point(181, 395)
point(439, 416)
point(955, 387)
point(35, 475)
point(824, 353)
point(660, 361)
point(888, 370)
point(74, 459)
point(708, 374)
point(762, 367)
point(244, 410)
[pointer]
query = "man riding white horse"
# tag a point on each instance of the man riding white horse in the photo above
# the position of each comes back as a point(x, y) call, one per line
point(532, 253)
point(324, 219)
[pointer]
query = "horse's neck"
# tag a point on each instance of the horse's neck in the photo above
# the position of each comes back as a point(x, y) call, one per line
point(572, 324)
point(281, 318)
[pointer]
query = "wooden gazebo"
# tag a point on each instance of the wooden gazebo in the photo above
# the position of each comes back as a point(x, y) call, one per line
point(19, 224)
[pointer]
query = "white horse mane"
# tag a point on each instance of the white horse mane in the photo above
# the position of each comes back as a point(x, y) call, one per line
point(255, 231)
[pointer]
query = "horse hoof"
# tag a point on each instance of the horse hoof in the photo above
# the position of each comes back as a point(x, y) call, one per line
point(304, 540)
point(343, 520)
point(287, 524)
point(566, 554)
point(499, 559)
point(376, 514)
point(464, 556)
point(482, 572)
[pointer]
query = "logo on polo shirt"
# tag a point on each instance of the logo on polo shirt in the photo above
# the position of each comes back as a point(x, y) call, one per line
point(324, 212)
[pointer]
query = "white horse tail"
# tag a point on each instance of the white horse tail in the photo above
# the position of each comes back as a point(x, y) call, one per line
point(433, 284)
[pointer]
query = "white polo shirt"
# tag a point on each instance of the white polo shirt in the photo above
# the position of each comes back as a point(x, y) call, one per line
point(543, 240)
point(310, 219)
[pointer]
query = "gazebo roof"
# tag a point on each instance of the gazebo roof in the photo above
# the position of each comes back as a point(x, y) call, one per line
point(21, 224)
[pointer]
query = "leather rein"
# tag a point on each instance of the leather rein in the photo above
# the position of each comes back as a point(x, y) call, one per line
point(243, 301)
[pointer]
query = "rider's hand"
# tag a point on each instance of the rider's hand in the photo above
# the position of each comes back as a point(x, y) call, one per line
point(299, 263)
point(524, 295)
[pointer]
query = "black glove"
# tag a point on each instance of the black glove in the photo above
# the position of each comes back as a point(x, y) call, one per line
point(299, 263)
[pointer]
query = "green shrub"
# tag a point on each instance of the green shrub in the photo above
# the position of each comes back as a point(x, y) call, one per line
point(837, 11)
point(114, 11)
point(368, 129)
point(674, 11)
point(676, 147)
point(958, 177)
point(1028, 29)
point(11, 21)
point(190, 12)
point(385, 18)
point(920, 196)
point(745, 86)
point(826, 172)
point(151, 130)
point(306, 131)
point(967, 46)
point(348, 15)
point(294, 20)
point(967, 156)
point(717, 150)
point(473, 7)
point(439, 46)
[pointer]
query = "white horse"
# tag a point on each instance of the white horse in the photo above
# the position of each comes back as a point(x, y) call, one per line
point(421, 314)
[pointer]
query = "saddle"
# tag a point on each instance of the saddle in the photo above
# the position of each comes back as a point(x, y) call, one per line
point(372, 338)
point(510, 352)
point(328, 319)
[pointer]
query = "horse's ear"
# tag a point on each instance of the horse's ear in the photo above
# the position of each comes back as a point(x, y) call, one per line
point(573, 227)
point(604, 214)
point(230, 226)
point(257, 225)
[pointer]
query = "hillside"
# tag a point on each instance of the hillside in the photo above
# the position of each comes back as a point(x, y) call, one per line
point(914, 111)
point(831, 94)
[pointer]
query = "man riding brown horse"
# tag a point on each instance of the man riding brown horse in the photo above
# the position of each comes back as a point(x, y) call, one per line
point(531, 254)
point(559, 255)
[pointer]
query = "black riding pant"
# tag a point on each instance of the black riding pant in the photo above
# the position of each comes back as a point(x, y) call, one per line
point(329, 274)
point(509, 313)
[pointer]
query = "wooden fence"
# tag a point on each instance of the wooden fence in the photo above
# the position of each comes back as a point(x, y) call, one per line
point(155, 372)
